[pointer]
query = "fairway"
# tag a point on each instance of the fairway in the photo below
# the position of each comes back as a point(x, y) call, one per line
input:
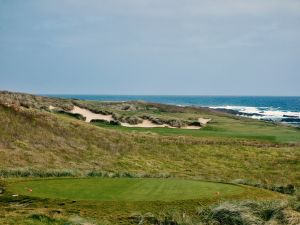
point(124, 189)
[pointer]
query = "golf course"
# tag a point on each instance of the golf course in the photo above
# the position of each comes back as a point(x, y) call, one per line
point(124, 189)
point(144, 163)
point(121, 200)
point(147, 112)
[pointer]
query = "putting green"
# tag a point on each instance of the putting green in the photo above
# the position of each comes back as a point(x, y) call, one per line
point(123, 189)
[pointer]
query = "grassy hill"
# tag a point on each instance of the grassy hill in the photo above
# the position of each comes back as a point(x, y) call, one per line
point(36, 141)
point(30, 138)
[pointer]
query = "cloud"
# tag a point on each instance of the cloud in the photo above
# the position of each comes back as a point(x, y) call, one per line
point(164, 24)
point(165, 8)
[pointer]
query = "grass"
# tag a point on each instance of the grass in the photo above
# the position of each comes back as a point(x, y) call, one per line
point(35, 142)
point(60, 205)
point(222, 124)
point(227, 128)
point(124, 189)
point(38, 140)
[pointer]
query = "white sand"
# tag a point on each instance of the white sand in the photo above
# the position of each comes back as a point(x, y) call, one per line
point(52, 107)
point(191, 127)
point(90, 115)
point(203, 121)
point(149, 124)
point(146, 123)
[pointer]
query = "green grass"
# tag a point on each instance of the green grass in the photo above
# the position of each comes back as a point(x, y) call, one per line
point(37, 143)
point(40, 141)
point(52, 200)
point(222, 124)
point(227, 128)
point(124, 189)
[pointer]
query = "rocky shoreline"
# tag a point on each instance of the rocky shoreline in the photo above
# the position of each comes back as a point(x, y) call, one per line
point(287, 119)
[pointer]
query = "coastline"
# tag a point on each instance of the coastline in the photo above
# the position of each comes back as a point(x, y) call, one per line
point(280, 109)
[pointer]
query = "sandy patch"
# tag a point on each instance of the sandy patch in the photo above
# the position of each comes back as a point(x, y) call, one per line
point(191, 127)
point(203, 121)
point(52, 107)
point(146, 123)
point(149, 124)
point(90, 115)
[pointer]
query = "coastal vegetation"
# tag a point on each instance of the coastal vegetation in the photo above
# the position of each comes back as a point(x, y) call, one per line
point(254, 163)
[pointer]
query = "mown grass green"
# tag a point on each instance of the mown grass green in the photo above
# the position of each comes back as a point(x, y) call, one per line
point(124, 189)
point(31, 209)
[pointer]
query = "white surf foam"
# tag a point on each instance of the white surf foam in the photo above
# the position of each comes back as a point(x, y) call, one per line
point(261, 112)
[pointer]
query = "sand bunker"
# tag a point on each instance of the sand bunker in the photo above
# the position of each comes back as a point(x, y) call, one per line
point(145, 124)
point(90, 115)
point(203, 121)
point(149, 124)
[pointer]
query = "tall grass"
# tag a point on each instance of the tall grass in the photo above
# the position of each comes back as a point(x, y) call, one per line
point(43, 141)
point(289, 189)
point(31, 172)
point(251, 212)
point(228, 213)
point(24, 172)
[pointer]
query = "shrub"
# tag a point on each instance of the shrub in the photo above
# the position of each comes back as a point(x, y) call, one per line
point(124, 174)
point(37, 173)
point(231, 214)
point(74, 115)
point(112, 122)
point(133, 120)
point(250, 213)
point(164, 218)
point(44, 219)
point(289, 189)
point(97, 174)
point(1, 188)
point(194, 123)
point(41, 218)
point(153, 119)
point(176, 123)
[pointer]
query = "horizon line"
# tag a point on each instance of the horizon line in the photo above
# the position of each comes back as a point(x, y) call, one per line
point(167, 95)
point(172, 95)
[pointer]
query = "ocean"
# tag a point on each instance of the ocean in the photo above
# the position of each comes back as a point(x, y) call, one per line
point(279, 109)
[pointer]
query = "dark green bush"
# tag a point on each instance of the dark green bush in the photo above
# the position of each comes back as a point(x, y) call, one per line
point(248, 213)
point(112, 122)
point(289, 189)
point(36, 173)
point(74, 115)
point(98, 174)
point(41, 218)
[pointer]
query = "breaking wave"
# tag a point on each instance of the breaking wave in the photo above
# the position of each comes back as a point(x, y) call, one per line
point(264, 113)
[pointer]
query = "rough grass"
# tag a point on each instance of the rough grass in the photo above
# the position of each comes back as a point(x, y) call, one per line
point(222, 124)
point(39, 140)
point(36, 142)
point(227, 127)
point(251, 212)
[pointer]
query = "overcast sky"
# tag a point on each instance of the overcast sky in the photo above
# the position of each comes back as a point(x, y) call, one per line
point(191, 47)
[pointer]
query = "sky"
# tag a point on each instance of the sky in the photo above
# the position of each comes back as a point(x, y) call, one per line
point(150, 47)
